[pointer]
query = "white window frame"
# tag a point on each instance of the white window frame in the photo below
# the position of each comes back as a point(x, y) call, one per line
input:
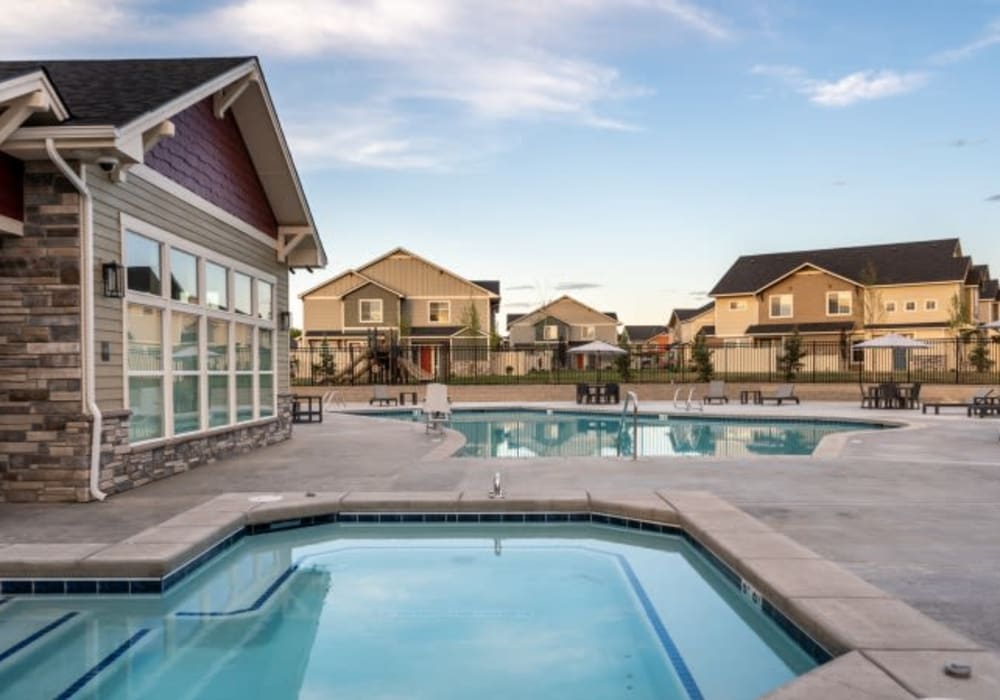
point(373, 316)
point(447, 308)
point(588, 333)
point(890, 307)
point(850, 303)
point(930, 305)
point(908, 303)
point(545, 332)
point(737, 305)
point(168, 306)
point(791, 306)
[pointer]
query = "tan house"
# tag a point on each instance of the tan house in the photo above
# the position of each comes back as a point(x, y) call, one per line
point(401, 299)
point(909, 288)
point(646, 338)
point(150, 214)
point(685, 324)
point(564, 320)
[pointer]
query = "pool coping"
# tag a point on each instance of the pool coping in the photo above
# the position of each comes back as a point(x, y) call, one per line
point(876, 640)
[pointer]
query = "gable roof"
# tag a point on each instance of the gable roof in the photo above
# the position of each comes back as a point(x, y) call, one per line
point(117, 92)
point(687, 314)
point(119, 108)
point(368, 269)
point(892, 263)
point(553, 309)
point(640, 334)
point(488, 285)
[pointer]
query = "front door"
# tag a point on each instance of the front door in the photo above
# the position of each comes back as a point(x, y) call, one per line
point(427, 359)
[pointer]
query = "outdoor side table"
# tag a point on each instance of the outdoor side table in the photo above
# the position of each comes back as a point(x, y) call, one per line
point(748, 395)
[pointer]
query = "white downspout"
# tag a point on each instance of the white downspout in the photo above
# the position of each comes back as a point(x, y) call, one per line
point(87, 316)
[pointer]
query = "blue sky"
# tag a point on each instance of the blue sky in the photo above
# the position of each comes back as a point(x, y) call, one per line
point(623, 151)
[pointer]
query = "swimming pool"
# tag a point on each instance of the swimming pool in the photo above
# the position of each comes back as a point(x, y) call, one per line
point(540, 433)
point(414, 611)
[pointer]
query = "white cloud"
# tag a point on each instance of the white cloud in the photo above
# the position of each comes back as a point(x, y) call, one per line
point(57, 22)
point(990, 37)
point(856, 87)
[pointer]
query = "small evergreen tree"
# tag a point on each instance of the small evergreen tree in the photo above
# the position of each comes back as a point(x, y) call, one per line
point(980, 354)
point(790, 362)
point(324, 370)
point(701, 359)
point(623, 363)
point(470, 318)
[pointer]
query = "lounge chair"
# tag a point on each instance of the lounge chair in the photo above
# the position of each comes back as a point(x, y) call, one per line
point(980, 397)
point(716, 392)
point(784, 392)
point(437, 407)
point(380, 395)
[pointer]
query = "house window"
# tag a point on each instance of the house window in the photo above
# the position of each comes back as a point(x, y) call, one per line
point(439, 311)
point(910, 306)
point(890, 306)
point(781, 305)
point(192, 363)
point(183, 276)
point(737, 306)
point(370, 310)
point(588, 333)
point(550, 332)
point(142, 259)
point(838, 303)
point(930, 305)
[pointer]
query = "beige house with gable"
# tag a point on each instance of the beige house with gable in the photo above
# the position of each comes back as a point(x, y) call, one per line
point(564, 320)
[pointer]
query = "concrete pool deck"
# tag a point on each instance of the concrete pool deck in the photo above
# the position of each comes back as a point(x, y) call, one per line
point(915, 511)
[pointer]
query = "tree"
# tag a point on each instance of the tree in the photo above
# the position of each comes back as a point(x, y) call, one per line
point(470, 318)
point(495, 340)
point(959, 314)
point(623, 363)
point(701, 359)
point(790, 362)
point(872, 308)
point(294, 333)
point(324, 370)
point(979, 357)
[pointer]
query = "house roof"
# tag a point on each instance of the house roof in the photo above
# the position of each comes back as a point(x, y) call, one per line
point(488, 285)
point(640, 334)
point(435, 331)
point(803, 328)
point(366, 269)
point(892, 263)
point(513, 317)
point(121, 108)
point(990, 290)
point(117, 92)
point(560, 309)
point(688, 314)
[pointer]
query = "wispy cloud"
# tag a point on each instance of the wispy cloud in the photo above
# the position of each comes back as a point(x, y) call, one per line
point(993, 198)
point(519, 287)
point(990, 37)
point(855, 87)
point(576, 286)
point(964, 143)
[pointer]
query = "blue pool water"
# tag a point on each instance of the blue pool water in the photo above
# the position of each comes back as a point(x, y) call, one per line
point(539, 433)
point(425, 611)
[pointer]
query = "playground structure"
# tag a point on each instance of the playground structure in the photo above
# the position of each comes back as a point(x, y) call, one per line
point(381, 361)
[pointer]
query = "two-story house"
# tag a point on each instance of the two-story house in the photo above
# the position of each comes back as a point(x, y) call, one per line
point(402, 298)
point(647, 338)
point(150, 213)
point(564, 321)
point(914, 288)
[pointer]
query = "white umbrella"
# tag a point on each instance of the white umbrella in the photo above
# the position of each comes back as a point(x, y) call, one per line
point(892, 340)
point(993, 324)
point(598, 347)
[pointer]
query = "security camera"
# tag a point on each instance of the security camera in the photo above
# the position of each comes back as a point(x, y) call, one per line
point(107, 163)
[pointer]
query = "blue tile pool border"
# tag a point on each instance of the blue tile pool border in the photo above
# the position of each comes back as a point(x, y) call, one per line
point(146, 586)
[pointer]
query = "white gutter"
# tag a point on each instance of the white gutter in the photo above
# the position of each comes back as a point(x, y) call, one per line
point(86, 314)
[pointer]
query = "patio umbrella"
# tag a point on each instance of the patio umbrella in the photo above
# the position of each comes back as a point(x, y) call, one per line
point(891, 340)
point(597, 347)
point(995, 325)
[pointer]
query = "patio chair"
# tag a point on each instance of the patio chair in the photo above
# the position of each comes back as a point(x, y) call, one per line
point(581, 393)
point(983, 395)
point(380, 395)
point(437, 407)
point(716, 392)
point(783, 392)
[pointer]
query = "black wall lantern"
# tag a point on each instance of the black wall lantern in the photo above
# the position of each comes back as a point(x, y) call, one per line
point(114, 280)
point(284, 320)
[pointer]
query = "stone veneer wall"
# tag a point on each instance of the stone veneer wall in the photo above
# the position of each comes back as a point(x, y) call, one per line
point(125, 467)
point(44, 435)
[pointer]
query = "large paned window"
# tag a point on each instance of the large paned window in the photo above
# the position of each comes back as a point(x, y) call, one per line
point(781, 306)
point(439, 312)
point(370, 310)
point(838, 303)
point(201, 349)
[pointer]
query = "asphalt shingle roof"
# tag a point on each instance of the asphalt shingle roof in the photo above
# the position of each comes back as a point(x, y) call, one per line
point(117, 92)
point(640, 334)
point(685, 314)
point(893, 263)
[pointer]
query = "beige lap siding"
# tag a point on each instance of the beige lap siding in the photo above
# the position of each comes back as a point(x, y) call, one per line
point(152, 205)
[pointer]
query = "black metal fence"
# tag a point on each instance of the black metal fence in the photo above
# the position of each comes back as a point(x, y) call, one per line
point(944, 361)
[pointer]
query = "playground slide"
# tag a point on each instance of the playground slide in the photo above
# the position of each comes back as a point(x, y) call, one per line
point(412, 371)
point(357, 367)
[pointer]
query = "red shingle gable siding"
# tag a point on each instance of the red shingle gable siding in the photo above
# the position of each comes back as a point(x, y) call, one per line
point(208, 157)
point(11, 187)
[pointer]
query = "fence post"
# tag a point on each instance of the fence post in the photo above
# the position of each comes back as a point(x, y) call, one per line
point(958, 356)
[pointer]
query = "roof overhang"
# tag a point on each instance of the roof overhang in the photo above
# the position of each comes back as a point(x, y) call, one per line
point(27, 95)
point(801, 267)
point(241, 90)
